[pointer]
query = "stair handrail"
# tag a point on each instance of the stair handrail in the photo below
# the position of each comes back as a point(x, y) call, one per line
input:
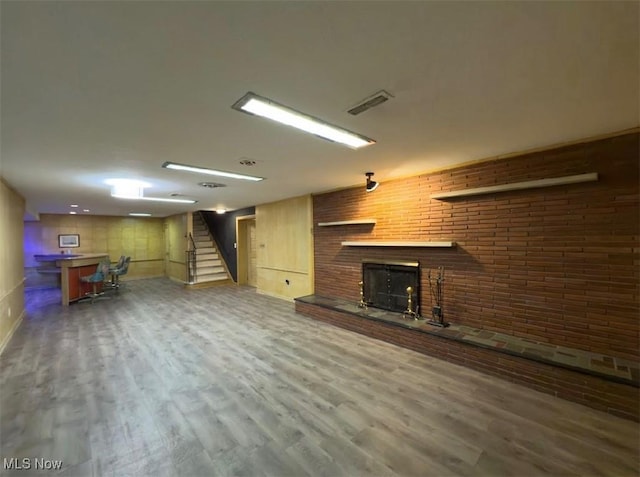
point(192, 263)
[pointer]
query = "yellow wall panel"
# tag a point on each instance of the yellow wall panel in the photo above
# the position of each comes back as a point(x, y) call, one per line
point(176, 230)
point(285, 247)
point(274, 283)
point(12, 208)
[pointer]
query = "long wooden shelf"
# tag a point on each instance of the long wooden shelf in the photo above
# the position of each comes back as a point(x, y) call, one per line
point(347, 222)
point(401, 243)
point(590, 177)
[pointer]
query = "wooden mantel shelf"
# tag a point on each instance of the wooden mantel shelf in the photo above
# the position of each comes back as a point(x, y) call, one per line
point(590, 177)
point(373, 243)
point(347, 222)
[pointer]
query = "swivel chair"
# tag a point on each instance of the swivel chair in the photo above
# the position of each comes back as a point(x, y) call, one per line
point(114, 268)
point(98, 277)
point(116, 273)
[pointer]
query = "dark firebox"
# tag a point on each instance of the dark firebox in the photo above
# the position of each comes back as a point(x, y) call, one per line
point(385, 283)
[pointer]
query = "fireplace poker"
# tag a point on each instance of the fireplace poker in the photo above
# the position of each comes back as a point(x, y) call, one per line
point(437, 291)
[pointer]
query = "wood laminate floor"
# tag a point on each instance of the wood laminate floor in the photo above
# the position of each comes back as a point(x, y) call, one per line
point(162, 381)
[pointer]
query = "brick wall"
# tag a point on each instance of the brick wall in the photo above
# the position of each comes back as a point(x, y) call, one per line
point(557, 264)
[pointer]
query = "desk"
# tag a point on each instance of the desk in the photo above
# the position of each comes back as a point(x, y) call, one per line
point(72, 267)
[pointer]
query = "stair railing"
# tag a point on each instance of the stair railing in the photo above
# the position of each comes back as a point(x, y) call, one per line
point(192, 264)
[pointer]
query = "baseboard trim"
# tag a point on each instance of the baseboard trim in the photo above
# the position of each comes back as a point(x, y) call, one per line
point(211, 284)
point(13, 329)
point(275, 295)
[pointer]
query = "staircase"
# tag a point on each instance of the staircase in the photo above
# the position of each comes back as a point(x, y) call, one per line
point(210, 269)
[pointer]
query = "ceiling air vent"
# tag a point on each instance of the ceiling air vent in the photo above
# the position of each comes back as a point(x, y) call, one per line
point(211, 185)
point(370, 102)
point(245, 161)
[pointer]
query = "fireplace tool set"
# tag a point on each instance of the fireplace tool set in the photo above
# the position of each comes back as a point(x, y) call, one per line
point(437, 289)
point(362, 303)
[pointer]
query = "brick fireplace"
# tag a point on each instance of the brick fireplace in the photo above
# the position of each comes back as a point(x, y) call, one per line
point(555, 264)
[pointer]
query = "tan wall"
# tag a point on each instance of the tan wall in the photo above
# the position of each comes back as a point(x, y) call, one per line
point(285, 247)
point(137, 237)
point(12, 209)
point(176, 229)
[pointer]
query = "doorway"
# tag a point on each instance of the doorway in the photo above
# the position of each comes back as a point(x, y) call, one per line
point(246, 249)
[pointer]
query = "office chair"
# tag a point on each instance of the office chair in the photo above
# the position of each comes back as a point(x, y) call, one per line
point(98, 277)
point(116, 273)
point(114, 268)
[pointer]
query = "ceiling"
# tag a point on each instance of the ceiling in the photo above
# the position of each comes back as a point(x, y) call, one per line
point(99, 90)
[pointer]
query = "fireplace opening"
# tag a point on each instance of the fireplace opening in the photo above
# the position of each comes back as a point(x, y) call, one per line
point(385, 284)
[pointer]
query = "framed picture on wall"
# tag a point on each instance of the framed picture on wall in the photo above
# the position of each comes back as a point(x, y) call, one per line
point(69, 240)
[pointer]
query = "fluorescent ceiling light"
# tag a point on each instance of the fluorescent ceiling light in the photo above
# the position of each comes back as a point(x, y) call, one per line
point(211, 172)
point(221, 211)
point(156, 199)
point(139, 214)
point(127, 182)
point(127, 188)
point(134, 190)
point(130, 192)
point(253, 104)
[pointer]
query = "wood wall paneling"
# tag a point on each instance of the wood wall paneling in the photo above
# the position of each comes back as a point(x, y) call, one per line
point(12, 209)
point(285, 247)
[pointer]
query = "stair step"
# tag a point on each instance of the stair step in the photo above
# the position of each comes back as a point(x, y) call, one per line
point(210, 270)
point(211, 277)
point(205, 250)
point(209, 262)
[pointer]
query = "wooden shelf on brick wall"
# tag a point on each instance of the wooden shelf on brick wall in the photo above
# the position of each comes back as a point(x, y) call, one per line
point(347, 222)
point(590, 177)
point(373, 243)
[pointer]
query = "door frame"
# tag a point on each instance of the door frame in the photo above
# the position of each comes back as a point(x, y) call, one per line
point(241, 247)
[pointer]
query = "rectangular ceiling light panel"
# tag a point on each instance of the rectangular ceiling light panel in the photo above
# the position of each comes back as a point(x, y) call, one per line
point(155, 199)
point(253, 104)
point(211, 172)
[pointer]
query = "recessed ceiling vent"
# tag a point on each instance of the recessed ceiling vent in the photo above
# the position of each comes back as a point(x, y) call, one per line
point(245, 161)
point(370, 102)
point(211, 185)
